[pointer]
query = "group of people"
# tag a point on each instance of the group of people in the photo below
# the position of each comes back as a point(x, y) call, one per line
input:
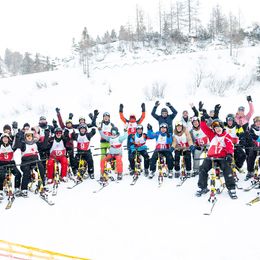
point(230, 141)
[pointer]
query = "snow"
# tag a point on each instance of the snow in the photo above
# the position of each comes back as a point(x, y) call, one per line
point(143, 221)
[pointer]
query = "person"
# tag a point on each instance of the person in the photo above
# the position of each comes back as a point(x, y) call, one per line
point(83, 147)
point(132, 122)
point(7, 164)
point(243, 119)
point(186, 120)
point(253, 151)
point(165, 117)
point(137, 143)
point(200, 141)
point(68, 127)
point(183, 145)
point(30, 148)
point(106, 127)
point(237, 135)
point(163, 146)
point(220, 147)
point(57, 151)
point(213, 113)
point(115, 151)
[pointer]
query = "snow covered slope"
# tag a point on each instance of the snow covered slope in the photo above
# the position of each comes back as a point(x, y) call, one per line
point(141, 222)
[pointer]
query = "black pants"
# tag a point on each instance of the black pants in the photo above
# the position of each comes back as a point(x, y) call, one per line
point(252, 154)
point(72, 160)
point(13, 169)
point(240, 156)
point(187, 159)
point(87, 156)
point(168, 156)
point(145, 156)
point(224, 166)
point(28, 163)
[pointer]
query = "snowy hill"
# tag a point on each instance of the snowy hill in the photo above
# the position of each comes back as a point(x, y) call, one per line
point(141, 222)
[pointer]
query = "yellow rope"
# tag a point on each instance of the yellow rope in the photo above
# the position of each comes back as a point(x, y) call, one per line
point(10, 244)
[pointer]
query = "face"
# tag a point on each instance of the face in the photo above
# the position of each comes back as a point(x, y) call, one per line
point(139, 130)
point(82, 131)
point(29, 137)
point(179, 128)
point(7, 131)
point(241, 112)
point(185, 114)
point(218, 130)
point(82, 121)
point(230, 122)
point(257, 123)
point(69, 125)
point(163, 129)
point(195, 123)
point(211, 113)
point(106, 118)
point(43, 122)
point(5, 140)
point(58, 134)
point(164, 114)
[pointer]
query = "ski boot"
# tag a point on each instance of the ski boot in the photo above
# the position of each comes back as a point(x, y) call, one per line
point(177, 174)
point(24, 193)
point(146, 172)
point(170, 174)
point(249, 176)
point(232, 194)
point(1, 195)
point(151, 174)
point(201, 191)
point(119, 176)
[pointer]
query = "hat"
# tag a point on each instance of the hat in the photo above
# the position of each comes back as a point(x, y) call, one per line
point(42, 118)
point(241, 108)
point(7, 127)
point(26, 125)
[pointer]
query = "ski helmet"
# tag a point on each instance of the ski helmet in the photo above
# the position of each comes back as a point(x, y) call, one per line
point(217, 123)
point(68, 121)
point(230, 117)
point(139, 127)
point(42, 118)
point(83, 126)
point(114, 131)
point(106, 114)
point(58, 130)
point(256, 119)
point(164, 125)
point(7, 127)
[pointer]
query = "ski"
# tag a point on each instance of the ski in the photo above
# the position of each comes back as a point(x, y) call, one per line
point(75, 184)
point(253, 185)
point(182, 181)
point(103, 185)
point(255, 200)
point(45, 196)
point(135, 178)
point(10, 202)
point(211, 208)
point(160, 181)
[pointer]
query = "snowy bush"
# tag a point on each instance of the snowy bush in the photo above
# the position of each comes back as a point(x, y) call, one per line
point(220, 86)
point(40, 84)
point(258, 70)
point(157, 91)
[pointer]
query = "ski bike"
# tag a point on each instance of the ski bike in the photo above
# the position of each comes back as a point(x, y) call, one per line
point(162, 168)
point(8, 186)
point(137, 166)
point(255, 183)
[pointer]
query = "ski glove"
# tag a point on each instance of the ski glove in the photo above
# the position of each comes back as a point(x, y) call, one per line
point(143, 107)
point(157, 103)
point(93, 131)
point(66, 133)
point(168, 104)
point(47, 132)
point(14, 125)
point(229, 158)
point(202, 118)
point(200, 106)
point(57, 110)
point(217, 107)
point(249, 99)
point(54, 122)
point(149, 127)
point(70, 115)
point(90, 116)
point(96, 112)
point(198, 148)
point(121, 108)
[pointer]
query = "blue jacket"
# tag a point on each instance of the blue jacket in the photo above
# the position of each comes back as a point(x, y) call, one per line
point(135, 147)
point(156, 135)
point(168, 120)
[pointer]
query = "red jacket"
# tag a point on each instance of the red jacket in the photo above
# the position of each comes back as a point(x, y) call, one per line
point(220, 145)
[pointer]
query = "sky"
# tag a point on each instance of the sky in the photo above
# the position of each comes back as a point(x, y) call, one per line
point(48, 26)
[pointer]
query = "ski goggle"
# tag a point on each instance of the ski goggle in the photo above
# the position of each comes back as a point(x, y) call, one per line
point(106, 114)
point(215, 124)
point(139, 127)
point(163, 126)
point(58, 133)
point(230, 118)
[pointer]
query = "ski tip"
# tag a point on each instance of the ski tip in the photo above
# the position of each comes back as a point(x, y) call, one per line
point(206, 214)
